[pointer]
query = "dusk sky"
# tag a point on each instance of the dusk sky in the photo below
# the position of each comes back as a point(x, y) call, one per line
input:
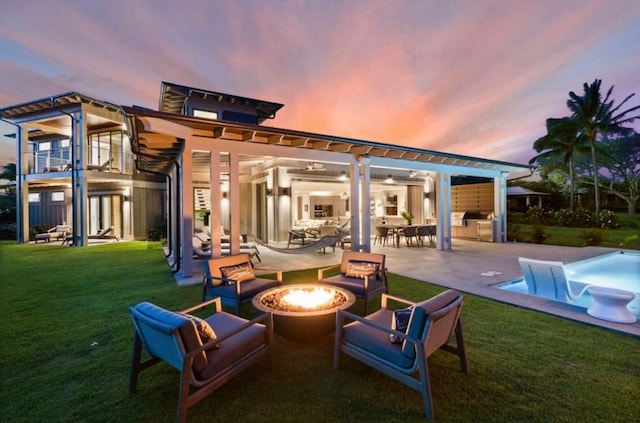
point(469, 77)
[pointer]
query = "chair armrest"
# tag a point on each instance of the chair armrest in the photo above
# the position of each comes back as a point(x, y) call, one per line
point(270, 271)
point(225, 281)
point(324, 269)
point(341, 314)
point(216, 300)
point(386, 297)
point(265, 318)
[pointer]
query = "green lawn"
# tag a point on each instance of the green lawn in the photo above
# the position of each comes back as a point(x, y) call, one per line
point(67, 344)
point(628, 238)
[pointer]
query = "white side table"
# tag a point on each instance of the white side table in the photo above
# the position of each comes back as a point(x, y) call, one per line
point(611, 304)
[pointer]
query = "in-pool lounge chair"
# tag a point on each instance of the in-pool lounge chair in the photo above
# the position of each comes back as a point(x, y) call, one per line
point(547, 279)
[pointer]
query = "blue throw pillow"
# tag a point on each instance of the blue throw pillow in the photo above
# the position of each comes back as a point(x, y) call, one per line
point(400, 322)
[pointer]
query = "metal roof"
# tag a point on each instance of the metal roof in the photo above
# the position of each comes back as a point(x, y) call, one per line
point(173, 98)
point(53, 102)
point(157, 151)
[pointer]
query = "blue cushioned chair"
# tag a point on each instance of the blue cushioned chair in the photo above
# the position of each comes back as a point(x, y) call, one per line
point(204, 367)
point(362, 284)
point(431, 326)
point(233, 292)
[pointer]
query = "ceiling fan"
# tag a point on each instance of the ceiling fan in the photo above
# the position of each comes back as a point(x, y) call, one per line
point(315, 166)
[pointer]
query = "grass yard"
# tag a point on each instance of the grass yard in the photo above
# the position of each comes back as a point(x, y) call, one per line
point(67, 338)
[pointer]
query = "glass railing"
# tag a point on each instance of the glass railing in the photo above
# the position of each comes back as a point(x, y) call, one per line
point(45, 162)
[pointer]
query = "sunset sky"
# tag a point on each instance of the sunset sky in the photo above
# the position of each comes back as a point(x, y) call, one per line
point(469, 77)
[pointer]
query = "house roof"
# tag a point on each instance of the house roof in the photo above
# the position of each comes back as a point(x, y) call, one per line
point(53, 102)
point(156, 153)
point(173, 98)
point(521, 191)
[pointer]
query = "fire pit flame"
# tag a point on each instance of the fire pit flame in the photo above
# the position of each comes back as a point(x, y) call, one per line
point(309, 299)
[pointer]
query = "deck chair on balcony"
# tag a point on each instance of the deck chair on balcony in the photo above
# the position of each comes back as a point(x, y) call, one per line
point(207, 352)
point(402, 355)
point(547, 279)
point(364, 274)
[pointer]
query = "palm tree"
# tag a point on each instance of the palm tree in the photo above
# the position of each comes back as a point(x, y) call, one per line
point(562, 141)
point(594, 117)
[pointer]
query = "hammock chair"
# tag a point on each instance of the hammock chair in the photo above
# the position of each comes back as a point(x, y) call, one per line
point(319, 244)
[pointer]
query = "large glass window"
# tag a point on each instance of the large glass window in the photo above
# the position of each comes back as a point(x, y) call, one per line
point(106, 154)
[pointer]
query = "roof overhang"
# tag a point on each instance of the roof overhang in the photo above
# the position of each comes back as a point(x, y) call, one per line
point(173, 98)
point(159, 138)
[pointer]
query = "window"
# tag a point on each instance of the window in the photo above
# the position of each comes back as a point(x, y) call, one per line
point(205, 114)
point(57, 196)
point(34, 197)
point(64, 143)
point(44, 146)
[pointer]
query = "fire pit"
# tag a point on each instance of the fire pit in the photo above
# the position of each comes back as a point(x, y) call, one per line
point(305, 311)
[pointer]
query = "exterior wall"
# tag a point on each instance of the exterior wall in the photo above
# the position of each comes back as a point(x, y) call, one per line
point(47, 212)
point(149, 209)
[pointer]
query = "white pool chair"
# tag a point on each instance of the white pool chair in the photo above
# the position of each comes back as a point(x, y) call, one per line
point(547, 279)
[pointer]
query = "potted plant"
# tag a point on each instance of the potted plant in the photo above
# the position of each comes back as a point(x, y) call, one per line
point(407, 216)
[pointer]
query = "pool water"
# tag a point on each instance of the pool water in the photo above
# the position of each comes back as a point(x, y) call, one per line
point(614, 270)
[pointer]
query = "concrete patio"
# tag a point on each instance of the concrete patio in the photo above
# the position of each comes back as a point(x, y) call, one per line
point(460, 268)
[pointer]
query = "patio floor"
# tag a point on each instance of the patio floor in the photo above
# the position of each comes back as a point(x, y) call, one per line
point(460, 268)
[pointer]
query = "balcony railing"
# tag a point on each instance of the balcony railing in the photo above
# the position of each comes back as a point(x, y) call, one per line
point(46, 162)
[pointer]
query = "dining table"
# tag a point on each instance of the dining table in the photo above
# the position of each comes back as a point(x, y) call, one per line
point(397, 230)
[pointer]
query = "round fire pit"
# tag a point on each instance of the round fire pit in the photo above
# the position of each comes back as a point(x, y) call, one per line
point(305, 311)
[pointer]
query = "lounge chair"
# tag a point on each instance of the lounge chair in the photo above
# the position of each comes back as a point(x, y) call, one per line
point(547, 279)
point(364, 274)
point(431, 325)
point(57, 232)
point(106, 233)
point(231, 344)
point(231, 278)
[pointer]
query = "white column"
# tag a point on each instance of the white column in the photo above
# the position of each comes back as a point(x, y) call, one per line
point(187, 213)
point(215, 220)
point(443, 228)
point(355, 206)
point(234, 202)
point(500, 208)
point(22, 187)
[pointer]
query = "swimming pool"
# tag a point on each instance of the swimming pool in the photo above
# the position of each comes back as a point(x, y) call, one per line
point(620, 269)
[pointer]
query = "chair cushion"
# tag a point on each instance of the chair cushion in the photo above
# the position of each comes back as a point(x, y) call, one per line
point(247, 289)
point(234, 348)
point(420, 315)
point(240, 272)
point(205, 331)
point(355, 285)
point(186, 328)
point(360, 269)
point(374, 342)
point(400, 322)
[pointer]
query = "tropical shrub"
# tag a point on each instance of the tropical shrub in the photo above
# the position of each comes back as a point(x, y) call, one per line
point(608, 220)
point(537, 215)
point(539, 236)
point(592, 237)
point(8, 231)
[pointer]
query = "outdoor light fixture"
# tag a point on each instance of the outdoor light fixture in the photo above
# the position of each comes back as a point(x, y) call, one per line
point(343, 177)
point(389, 179)
point(412, 174)
point(269, 192)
